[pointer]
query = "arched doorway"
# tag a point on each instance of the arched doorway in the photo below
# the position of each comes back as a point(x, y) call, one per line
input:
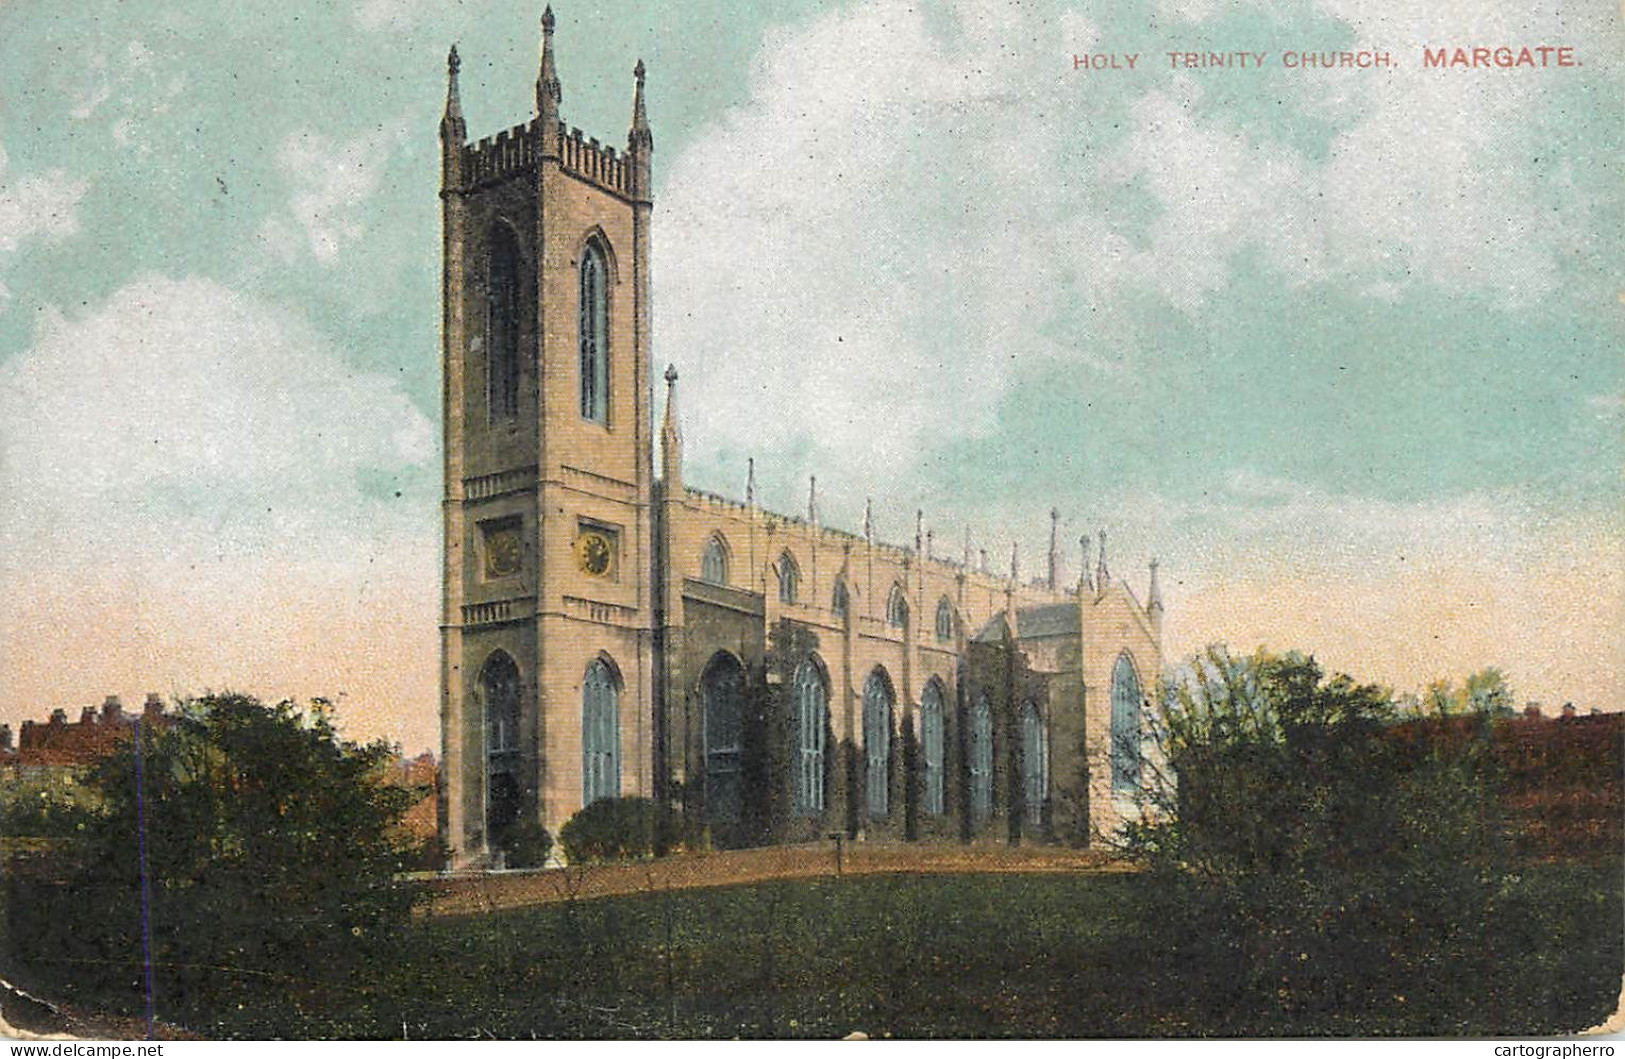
point(499, 690)
point(722, 691)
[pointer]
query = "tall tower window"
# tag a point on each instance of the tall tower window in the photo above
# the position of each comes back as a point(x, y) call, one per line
point(877, 709)
point(979, 752)
point(811, 703)
point(931, 743)
point(594, 330)
point(1125, 750)
point(502, 324)
point(600, 734)
point(945, 620)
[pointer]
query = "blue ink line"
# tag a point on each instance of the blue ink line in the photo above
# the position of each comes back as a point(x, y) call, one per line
point(146, 890)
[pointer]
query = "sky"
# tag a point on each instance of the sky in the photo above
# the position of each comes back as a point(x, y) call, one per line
point(1341, 347)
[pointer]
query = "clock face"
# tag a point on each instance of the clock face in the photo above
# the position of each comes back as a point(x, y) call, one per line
point(594, 553)
point(502, 553)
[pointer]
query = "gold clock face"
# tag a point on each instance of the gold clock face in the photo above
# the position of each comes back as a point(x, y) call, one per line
point(502, 553)
point(594, 553)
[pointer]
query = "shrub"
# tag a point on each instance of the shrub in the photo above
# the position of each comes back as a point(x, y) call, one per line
point(610, 829)
point(1323, 869)
point(271, 848)
point(527, 845)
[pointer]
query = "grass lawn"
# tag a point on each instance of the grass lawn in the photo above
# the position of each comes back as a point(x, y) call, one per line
point(918, 956)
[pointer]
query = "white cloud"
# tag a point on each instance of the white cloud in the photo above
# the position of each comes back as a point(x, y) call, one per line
point(184, 418)
point(44, 207)
point(905, 207)
point(332, 181)
point(184, 511)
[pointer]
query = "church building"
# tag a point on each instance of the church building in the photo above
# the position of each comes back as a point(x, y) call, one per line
point(609, 631)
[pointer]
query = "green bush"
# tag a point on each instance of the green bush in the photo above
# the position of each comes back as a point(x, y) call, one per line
point(527, 845)
point(271, 849)
point(1324, 868)
point(610, 829)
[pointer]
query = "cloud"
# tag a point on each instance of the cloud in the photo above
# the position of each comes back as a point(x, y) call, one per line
point(852, 264)
point(186, 471)
point(332, 182)
point(41, 208)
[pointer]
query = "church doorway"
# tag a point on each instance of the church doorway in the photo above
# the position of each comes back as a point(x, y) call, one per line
point(722, 689)
point(499, 687)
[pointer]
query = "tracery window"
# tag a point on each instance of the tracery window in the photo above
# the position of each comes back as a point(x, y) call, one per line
point(897, 607)
point(877, 713)
point(808, 753)
point(931, 745)
point(600, 734)
point(1125, 749)
point(594, 334)
point(789, 578)
point(840, 602)
point(1034, 759)
point(714, 562)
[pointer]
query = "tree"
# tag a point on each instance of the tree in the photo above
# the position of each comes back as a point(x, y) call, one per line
point(271, 846)
point(1319, 862)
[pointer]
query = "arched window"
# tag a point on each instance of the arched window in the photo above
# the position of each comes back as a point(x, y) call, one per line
point(897, 607)
point(808, 752)
point(594, 332)
point(979, 758)
point(1034, 760)
point(789, 578)
point(499, 688)
point(840, 602)
point(600, 734)
point(1125, 726)
point(722, 689)
point(502, 293)
point(931, 744)
point(877, 710)
point(714, 561)
point(945, 620)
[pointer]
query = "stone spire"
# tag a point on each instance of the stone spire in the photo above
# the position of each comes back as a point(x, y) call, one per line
point(452, 127)
point(549, 93)
point(967, 546)
point(812, 500)
point(869, 519)
point(671, 438)
point(919, 531)
point(1102, 575)
point(453, 132)
point(640, 141)
point(1084, 584)
point(1154, 596)
point(750, 482)
point(1054, 549)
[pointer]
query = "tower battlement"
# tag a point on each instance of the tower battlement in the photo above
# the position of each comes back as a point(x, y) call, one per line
point(513, 152)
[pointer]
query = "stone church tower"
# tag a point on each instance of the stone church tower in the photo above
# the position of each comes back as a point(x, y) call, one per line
point(547, 625)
